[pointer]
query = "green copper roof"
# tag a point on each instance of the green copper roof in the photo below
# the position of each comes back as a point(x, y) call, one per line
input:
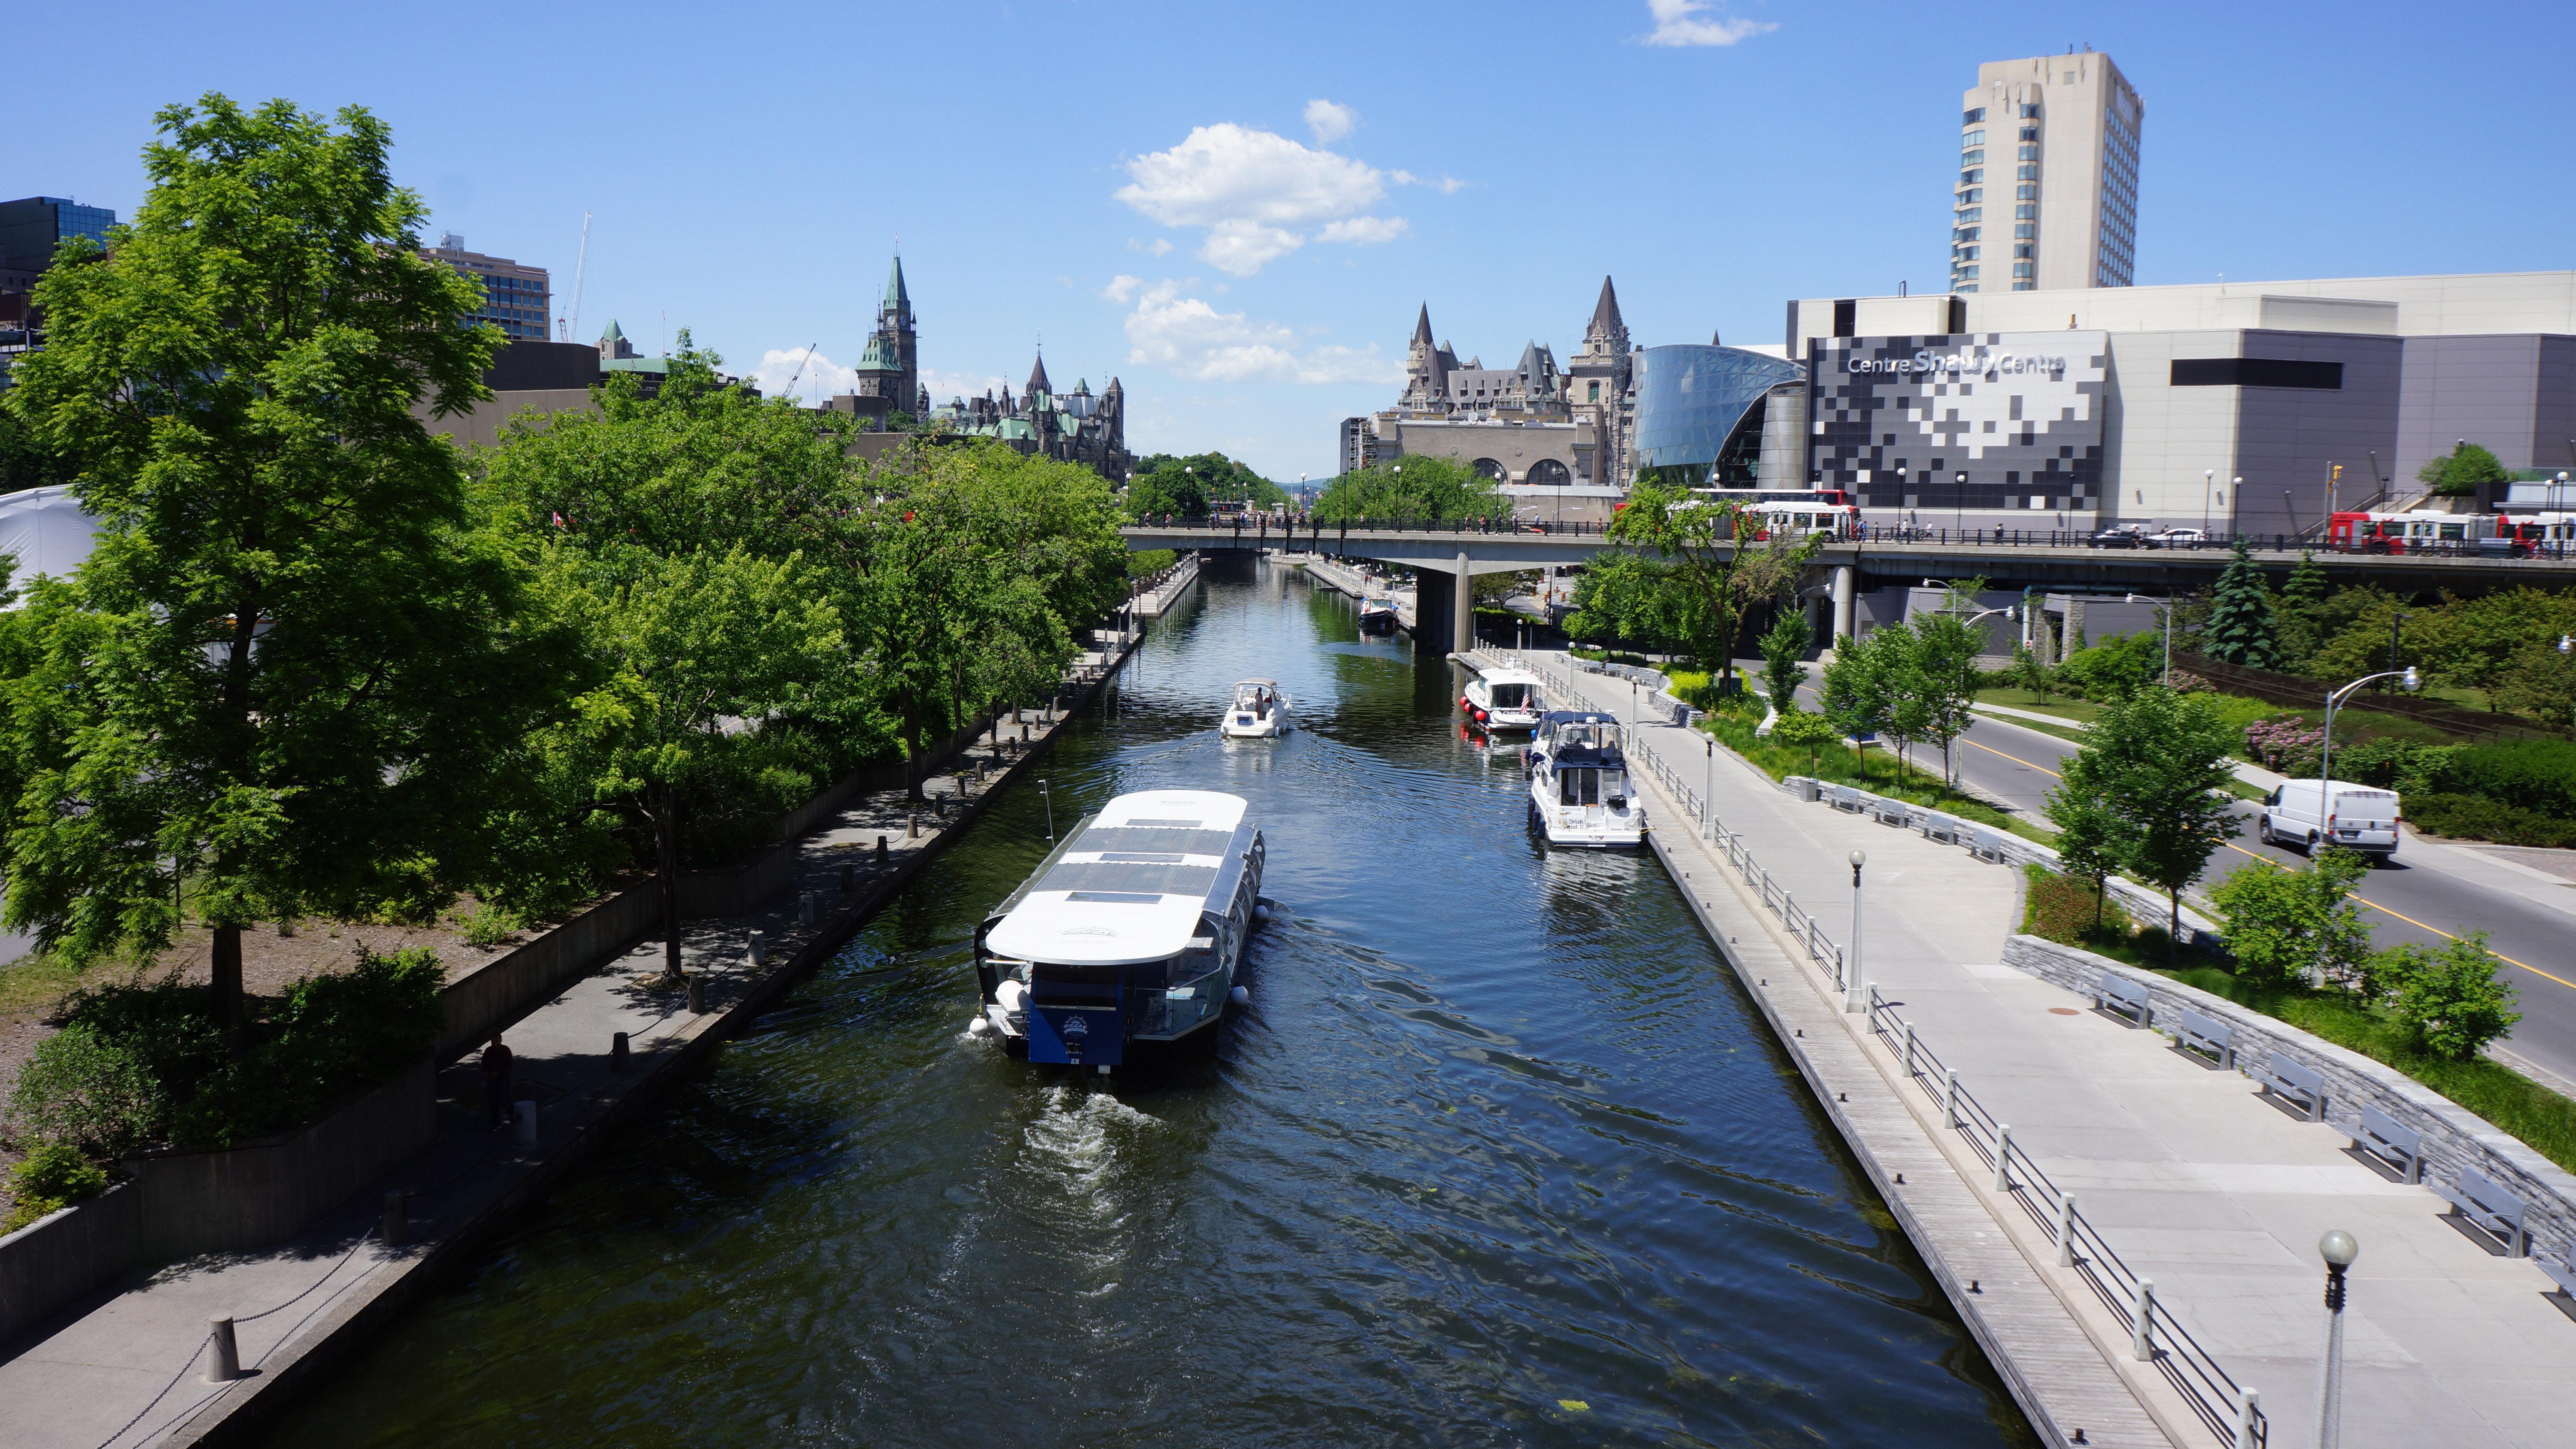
point(612, 334)
point(879, 356)
point(895, 296)
point(635, 364)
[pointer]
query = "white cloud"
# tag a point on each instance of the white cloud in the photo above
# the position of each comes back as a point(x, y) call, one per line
point(1679, 22)
point(1122, 287)
point(947, 387)
point(1155, 248)
point(1187, 336)
point(1364, 230)
point(1446, 185)
point(1256, 193)
point(1330, 122)
point(819, 371)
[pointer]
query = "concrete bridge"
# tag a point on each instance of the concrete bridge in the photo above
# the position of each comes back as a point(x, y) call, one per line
point(2054, 561)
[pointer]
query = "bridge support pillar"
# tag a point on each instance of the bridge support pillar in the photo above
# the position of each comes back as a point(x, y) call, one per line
point(1846, 610)
point(1463, 608)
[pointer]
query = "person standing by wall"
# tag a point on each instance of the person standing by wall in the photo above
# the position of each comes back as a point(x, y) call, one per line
point(496, 1082)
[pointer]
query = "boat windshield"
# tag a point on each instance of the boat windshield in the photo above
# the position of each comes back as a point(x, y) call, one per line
point(1511, 696)
point(1591, 735)
point(1254, 696)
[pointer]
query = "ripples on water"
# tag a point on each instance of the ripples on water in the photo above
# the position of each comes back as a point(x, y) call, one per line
point(1499, 1155)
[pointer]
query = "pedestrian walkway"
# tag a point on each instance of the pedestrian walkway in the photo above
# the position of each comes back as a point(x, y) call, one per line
point(2189, 1176)
point(126, 1369)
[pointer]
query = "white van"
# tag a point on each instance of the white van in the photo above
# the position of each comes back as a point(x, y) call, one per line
point(2359, 817)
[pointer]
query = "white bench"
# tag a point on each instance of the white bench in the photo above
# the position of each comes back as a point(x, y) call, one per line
point(2560, 1274)
point(2124, 999)
point(2401, 1149)
point(1889, 812)
point(1842, 797)
point(2491, 1212)
point(2199, 1035)
point(1937, 826)
point(2301, 1087)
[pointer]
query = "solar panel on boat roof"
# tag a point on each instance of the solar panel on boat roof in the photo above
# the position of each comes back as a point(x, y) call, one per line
point(1116, 898)
point(1161, 824)
point(1120, 837)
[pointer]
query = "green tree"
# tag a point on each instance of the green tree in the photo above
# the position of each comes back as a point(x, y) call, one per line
point(2158, 763)
point(2092, 839)
point(1715, 559)
point(1946, 650)
point(2301, 612)
point(1858, 694)
point(2029, 672)
point(2283, 924)
point(1784, 648)
point(2240, 627)
point(1187, 486)
point(1416, 488)
point(283, 673)
point(1798, 729)
point(2452, 996)
point(2459, 472)
point(1622, 598)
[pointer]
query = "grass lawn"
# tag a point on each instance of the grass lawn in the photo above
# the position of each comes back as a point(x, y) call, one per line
point(2061, 910)
point(34, 982)
point(2082, 710)
point(1874, 770)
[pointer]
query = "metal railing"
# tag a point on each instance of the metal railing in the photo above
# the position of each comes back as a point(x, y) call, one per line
point(2230, 1411)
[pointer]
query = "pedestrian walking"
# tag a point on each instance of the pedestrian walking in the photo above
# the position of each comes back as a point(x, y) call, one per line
point(496, 1082)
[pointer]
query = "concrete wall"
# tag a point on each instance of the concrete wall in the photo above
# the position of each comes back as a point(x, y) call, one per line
point(2454, 1137)
point(2484, 389)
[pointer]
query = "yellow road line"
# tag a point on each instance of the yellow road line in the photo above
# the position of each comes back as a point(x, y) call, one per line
point(2365, 900)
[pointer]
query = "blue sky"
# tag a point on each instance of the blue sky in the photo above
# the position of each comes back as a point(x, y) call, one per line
point(1155, 191)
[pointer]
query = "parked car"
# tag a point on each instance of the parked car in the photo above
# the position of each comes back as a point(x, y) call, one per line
point(2119, 535)
point(2304, 814)
point(2178, 538)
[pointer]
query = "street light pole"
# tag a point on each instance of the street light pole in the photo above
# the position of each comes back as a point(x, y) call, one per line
point(2208, 482)
point(1959, 506)
point(1852, 999)
point(2339, 1249)
point(2235, 490)
point(2325, 762)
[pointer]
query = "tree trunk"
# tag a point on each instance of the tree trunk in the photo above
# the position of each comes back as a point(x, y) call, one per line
point(2173, 923)
point(228, 985)
point(666, 850)
point(912, 748)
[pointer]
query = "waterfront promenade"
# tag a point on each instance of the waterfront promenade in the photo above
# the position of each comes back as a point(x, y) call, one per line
point(2190, 1177)
point(126, 1367)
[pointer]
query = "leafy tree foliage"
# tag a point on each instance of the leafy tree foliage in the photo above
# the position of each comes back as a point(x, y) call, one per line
point(1715, 559)
point(2283, 924)
point(2299, 613)
point(1796, 728)
point(1189, 486)
point(2452, 996)
point(1859, 691)
point(2240, 626)
point(2156, 765)
point(288, 656)
point(2458, 473)
point(1784, 648)
point(1417, 488)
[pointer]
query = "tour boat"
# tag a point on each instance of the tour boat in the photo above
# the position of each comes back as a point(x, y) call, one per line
point(1504, 699)
point(1259, 711)
point(1129, 940)
point(1377, 616)
point(1579, 789)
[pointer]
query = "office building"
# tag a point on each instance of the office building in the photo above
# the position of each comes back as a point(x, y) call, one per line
point(2079, 408)
point(2047, 195)
point(517, 299)
point(30, 230)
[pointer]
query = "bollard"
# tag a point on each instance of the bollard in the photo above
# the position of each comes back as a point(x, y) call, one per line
point(881, 847)
point(2066, 1230)
point(698, 994)
point(759, 948)
point(849, 877)
point(223, 1359)
point(979, 770)
point(2142, 1311)
point(395, 1230)
point(961, 787)
point(618, 1053)
point(912, 825)
point(527, 1122)
point(805, 907)
point(1909, 1051)
point(2003, 1158)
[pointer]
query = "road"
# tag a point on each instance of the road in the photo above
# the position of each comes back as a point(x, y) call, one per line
point(2429, 892)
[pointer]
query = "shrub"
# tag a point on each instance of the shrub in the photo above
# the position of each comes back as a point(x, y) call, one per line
point(2281, 924)
point(2062, 909)
point(2115, 668)
point(2288, 744)
point(87, 1092)
point(330, 1036)
point(52, 1178)
point(2474, 817)
point(2533, 774)
point(488, 926)
point(2451, 997)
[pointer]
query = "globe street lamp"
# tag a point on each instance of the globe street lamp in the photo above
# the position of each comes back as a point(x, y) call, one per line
point(1852, 999)
point(2235, 489)
point(2338, 1249)
point(2325, 762)
point(2208, 485)
point(1959, 505)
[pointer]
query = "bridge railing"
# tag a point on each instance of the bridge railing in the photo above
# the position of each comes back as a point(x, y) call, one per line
point(2232, 1413)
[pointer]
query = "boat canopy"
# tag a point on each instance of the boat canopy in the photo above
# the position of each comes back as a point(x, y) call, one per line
point(1130, 884)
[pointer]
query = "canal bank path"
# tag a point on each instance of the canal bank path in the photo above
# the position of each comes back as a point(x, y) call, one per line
point(127, 1367)
point(2185, 1173)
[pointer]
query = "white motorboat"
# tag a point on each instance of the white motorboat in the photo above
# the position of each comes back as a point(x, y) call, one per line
point(1580, 794)
point(1259, 711)
point(1129, 939)
point(1377, 616)
point(1505, 699)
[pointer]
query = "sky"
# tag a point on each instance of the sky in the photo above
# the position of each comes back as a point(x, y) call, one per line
point(1238, 210)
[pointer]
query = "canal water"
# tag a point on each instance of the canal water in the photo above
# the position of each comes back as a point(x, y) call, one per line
point(1499, 1154)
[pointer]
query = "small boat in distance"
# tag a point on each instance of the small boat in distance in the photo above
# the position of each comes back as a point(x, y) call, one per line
point(1579, 792)
point(1377, 616)
point(1505, 699)
point(1129, 938)
point(1259, 711)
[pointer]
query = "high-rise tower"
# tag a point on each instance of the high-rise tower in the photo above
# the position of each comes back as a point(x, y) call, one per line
point(2047, 195)
point(894, 328)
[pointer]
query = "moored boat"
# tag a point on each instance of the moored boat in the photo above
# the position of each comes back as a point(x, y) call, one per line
point(1505, 699)
point(1377, 616)
point(1129, 939)
point(1580, 794)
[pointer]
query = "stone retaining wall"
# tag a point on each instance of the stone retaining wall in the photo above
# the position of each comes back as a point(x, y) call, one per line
point(2453, 1135)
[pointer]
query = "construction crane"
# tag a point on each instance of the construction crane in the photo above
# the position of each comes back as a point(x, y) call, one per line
point(790, 389)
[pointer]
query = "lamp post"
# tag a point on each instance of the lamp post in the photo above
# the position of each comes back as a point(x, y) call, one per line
point(2235, 490)
point(1852, 999)
point(2208, 485)
point(1959, 505)
point(1049, 797)
point(2338, 1249)
point(2325, 762)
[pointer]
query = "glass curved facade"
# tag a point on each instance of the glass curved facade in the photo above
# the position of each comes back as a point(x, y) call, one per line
point(1692, 400)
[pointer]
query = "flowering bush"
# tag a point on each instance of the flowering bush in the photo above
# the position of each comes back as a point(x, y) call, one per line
point(2186, 682)
point(2288, 744)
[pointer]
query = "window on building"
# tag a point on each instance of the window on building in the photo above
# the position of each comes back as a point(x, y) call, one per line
point(2030, 110)
point(1972, 195)
point(1596, 393)
point(2024, 269)
point(2025, 228)
point(1972, 117)
point(1973, 157)
point(1971, 213)
point(2030, 153)
point(1965, 233)
point(2026, 192)
point(2030, 133)
point(1965, 271)
point(1973, 138)
point(1965, 254)
point(2025, 249)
